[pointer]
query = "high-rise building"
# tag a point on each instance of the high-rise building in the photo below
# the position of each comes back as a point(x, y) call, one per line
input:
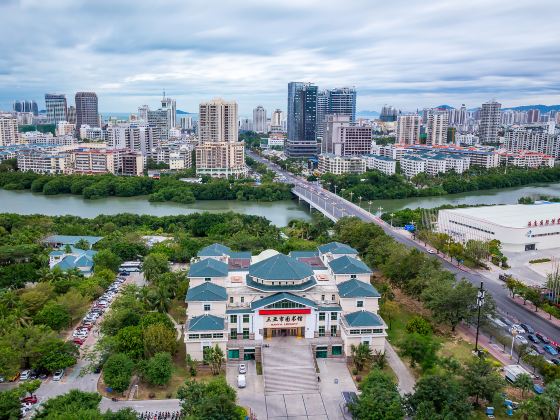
point(533, 116)
point(8, 130)
point(72, 114)
point(346, 138)
point(259, 119)
point(219, 153)
point(26, 106)
point(56, 108)
point(490, 119)
point(159, 120)
point(87, 112)
point(462, 116)
point(143, 112)
point(186, 123)
point(437, 127)
point(534, 139)
point(170, 106)
point(408, 129)
point(342, 101)
point(388, 114)
point(322, 111)
point(302, 120)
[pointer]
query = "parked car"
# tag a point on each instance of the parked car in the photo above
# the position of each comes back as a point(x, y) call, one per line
point(242, 368)
point(533, 338)
point(517, 328)
point(528, 328)
point(58, 374)
point(537, 349)
point(241, 381)
point(550, 350)
point(543, 338)
point(506, 321)
point(521, 339)
point(532, 353)
point(78, 341)
point(24, 375)
point(14, 378)
point(32, 399)
point(33, 374)
point(556, 362)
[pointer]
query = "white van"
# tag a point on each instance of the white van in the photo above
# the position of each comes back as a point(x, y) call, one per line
point(241, 381)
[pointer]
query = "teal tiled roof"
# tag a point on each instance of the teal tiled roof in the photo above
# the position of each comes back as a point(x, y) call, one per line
point(280, 267)
point(240, 255)
point(337, 248)
point(349, 265)
point(363, 319)
point(214, 250)
point(356, 288)
point(206, 323)
point(209, 267)
point(333, 308)
point(269, 300)
point(239, 311)
point(72, 240)
point(303, 254)
point(56, 253)
point(206, 292)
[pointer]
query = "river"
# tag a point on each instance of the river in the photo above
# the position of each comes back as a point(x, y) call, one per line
point(278, 212)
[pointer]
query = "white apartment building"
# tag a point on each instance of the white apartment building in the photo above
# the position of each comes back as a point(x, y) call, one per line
point(434, 165)
point(36, 137)
point(87, 161)
point(136, 137)
point(408, 129)
point(345, 138)
point(466, 138)
point(186, 122)
point(526, 159)
point(437, 125)
point(457, 163)
point(381, 163)
point(180, 159)
point(533, 138)
point(330, 163)
point(42, 162)
point(8, 130)
point(64, 128)
point(259, 119)
point(412, 165)
point(91, 133)
point(490, 119)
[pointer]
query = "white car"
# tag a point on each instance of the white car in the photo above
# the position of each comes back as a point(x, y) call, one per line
point(517, 328)
point(431, 251)
point(521, 339)
point(80, 333)
point(24, 375)
point(241, 381)
point(243, 368)
point(57, 375)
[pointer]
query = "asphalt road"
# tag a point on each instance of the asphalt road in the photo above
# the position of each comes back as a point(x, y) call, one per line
point(327, 200)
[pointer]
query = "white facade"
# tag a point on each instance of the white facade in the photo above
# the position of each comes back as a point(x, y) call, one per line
point(408, 129)
point(329, 163)
point(412, 165)
point(533, 138)
point(342, 137)
point(381, 163)
point(518, 227)
point(259, 119)
point(8, 130)
point(437, 125)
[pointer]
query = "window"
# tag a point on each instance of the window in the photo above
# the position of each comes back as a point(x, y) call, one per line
point(234, 354)
point(231, 299)
point(360, 303)
point(334, 316)
point(322, 297)
point(207, 279)
point(333, 298)
point(333, 330)
point(283, 304)
point(206, 307)
point(245, 319)
point(321, 316)
point(233, 319)
point(205, 335)
point(336, 350)
point(321, 331)
point(233, 333)
point(194, 336)
point(242, 299)
point(352, 276)
point(218, 335)
point(246, 333)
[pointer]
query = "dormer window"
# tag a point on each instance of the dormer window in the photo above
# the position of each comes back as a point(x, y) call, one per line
point(352, 276)
point(207, 279)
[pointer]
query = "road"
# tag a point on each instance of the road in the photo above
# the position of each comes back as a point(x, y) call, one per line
point(342, 207)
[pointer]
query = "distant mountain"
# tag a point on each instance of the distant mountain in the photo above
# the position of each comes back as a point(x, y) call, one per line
point(367, 113)
point(541, 108)
point(444, 107)
point(184, 112)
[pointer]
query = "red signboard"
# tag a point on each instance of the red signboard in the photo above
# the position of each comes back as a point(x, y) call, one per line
point(284, 311)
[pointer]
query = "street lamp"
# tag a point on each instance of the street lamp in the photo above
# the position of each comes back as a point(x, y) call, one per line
point(352, 196)
point(379, 209)
point(369, 207)
point(513, 334)
point(392, 215)
point(479, 302)
point(360, 198)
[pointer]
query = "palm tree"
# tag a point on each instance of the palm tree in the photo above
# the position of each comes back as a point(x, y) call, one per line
point(21, 316)
point(159, 299)
point(523, 382)
point(361, 355)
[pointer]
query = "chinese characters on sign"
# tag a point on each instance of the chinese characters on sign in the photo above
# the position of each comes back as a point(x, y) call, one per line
point(546, 222)
point(272, 321)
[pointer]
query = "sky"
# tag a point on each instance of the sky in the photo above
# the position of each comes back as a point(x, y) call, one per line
point(409, 54)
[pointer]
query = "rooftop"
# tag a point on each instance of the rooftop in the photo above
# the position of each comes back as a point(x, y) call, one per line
point(269, 300)
point(208, 267)
point(206, 292)
point(337, 248)
point(363, 319)
point(280, 267)
point(214, 250)
point(357, 288)
point(348, 265)
point(206, 322)
point(511, 215)
point(72, 240)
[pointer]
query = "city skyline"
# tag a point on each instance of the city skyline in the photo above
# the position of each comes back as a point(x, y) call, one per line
point(391, 58)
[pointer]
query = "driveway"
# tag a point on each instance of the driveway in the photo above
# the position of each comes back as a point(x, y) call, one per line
point(323, 405)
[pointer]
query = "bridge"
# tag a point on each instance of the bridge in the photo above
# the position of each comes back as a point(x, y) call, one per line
point(335, 207)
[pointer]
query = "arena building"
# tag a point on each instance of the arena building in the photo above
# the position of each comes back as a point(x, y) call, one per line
point(518, 227)
point(240, 301)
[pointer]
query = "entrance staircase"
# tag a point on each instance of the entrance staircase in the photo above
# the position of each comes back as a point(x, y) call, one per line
point(288, 367)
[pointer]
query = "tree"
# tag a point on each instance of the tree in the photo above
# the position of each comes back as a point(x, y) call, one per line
point(75, 303)
point(30, 387)
point(544, 406)
point(524, 382)
point(481, 380)
point(129, 340)
point(159, 298)
point(389, 309)
point(380, 398)
point(212, 400)
point(54, 315)
point(10, 405)
point(68, 404)
point(361, 355)
point(82, 244)
point(438, 397)
point(56, 354)
point(159, 338)
point(117, 371)
point(420, 325)
point(421, 349)
point(158, 369)
point(214, 356)
point(36, 297)
point(106, 259)
point(154, 265)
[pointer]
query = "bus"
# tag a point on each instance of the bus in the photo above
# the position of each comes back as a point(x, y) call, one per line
point(131, 267)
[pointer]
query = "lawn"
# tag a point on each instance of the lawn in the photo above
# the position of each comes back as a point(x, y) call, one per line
point(177, 310)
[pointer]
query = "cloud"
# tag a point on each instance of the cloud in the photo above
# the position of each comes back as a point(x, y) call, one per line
point(407, 53)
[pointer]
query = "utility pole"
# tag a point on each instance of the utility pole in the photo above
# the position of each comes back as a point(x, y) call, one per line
point(392, 215)
point(479, 303)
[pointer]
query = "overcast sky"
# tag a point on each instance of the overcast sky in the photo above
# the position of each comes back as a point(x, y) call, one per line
point(405, 53)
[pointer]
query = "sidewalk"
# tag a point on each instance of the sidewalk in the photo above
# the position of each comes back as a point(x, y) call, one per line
point(495, 349)
point(405, 377)
point(541, 314)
